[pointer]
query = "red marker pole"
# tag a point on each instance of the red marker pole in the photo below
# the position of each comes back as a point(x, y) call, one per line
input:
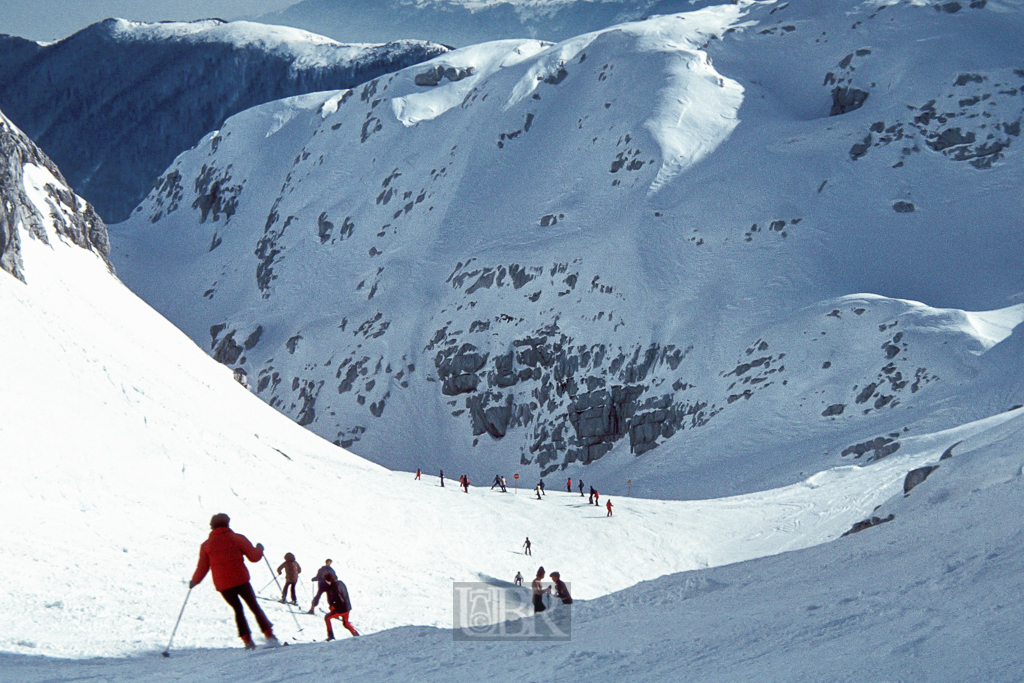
point(516, 477)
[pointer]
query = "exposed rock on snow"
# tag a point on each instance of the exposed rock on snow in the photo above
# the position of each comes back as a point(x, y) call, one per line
point(35, 198)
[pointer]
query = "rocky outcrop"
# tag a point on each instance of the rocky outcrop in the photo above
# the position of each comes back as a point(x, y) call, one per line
point(65, 213)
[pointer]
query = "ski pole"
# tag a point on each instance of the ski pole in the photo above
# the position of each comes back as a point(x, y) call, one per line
point(267, 586)
point(288, 605)
point(167, 652)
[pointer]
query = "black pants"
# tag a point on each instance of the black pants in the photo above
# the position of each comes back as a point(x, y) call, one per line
point(245, 592)
point(538, 603)
point(284, 593)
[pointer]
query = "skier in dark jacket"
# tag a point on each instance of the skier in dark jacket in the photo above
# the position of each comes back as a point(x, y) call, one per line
point(442, 478)
point(341, 605)
point(527, 547)
point(321, 583)
point(540, 485)
point(561, 590)
point(590, 500)
point(497, 481)
point(581, 488)
point(225, 552)
point(291, 575)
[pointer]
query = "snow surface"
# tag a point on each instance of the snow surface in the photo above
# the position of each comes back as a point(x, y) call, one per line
point(152, 437)
point(694, 235)
point(121, 438)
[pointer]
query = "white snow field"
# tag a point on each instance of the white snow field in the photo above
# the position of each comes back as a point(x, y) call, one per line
point(120, 439)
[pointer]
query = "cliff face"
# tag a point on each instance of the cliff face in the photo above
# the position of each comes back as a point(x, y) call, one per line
point(114, 103)
point(35, 196)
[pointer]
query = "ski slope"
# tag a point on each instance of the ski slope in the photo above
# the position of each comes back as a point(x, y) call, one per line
point(121, 439)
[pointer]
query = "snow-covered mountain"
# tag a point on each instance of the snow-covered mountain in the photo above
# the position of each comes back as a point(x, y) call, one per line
point(115, 103)
point(467, 22)
point(121, 437)
point(685, 251)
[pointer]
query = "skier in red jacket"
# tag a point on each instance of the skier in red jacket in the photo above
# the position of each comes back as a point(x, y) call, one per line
point(224, 552)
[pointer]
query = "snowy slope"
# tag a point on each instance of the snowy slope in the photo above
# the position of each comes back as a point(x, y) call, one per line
point(114, 103)
point(685, 251)
point(121, 438)
point(466, 22)
point(930, 595)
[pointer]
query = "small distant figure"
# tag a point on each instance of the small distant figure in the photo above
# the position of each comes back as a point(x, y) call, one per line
point(465, 483)
point(321, 583)
point(497, 482)
point(519, 579)
point(590, 500)
point(291, 576)
point(539, 591)
point(442, 478)
point(417, 474)
point(503, 489)
point(597, 498)
point(341, 605)
point(540, 485)
point(609, 506)
point(581, 488)
point(568, 485)
point(536, 489)
point(527, 546)
point(561, 590)
point(224, 553)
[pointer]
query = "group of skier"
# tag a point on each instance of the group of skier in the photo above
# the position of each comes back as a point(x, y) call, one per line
point(499, 482)
point(224, 553)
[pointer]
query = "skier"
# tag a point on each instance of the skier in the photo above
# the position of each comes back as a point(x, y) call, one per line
point(291, 576)
point(341, 605)
point(519, 579)
point(536, 489)
point(225, 553)
point(540, 485)
point(568, 485)
point(321, 584)
point(561, 590)
point(581, 488)
point(597, 498)
point(538, 592)
point(465, 483)
point(417, 474)
point(442, 478)
point(609, 506)
point(590, 500)
point(527, 546)
point(497, 481)
point(503, 489)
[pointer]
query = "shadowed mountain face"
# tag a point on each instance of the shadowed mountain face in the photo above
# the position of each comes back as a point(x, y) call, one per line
point(114, 103)
point(687, 251)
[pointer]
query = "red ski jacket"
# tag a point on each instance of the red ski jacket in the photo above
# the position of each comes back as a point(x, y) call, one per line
point(223, 552)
